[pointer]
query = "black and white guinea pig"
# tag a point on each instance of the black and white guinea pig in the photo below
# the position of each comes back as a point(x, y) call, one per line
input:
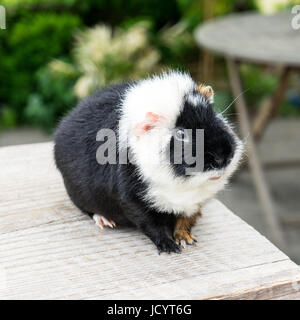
point(155, 196)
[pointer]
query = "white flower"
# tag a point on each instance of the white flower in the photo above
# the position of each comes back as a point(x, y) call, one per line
point(84, 86)
point(61, 67)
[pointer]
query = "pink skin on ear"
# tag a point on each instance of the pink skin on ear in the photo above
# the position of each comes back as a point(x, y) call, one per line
point(150, 122)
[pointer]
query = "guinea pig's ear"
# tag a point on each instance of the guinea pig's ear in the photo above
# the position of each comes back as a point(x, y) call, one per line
point(151, 120)
point(206, 91)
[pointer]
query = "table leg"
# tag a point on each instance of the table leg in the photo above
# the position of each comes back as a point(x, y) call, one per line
point(254, 162)
point(271, 106)
point(208, 60)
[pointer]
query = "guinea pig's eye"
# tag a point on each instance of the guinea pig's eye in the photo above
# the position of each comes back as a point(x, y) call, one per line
point(180, 135)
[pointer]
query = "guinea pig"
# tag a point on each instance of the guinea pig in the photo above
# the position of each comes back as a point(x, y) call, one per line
point(139, 121)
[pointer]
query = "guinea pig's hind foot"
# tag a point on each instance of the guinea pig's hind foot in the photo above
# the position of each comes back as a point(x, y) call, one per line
point(102, 222)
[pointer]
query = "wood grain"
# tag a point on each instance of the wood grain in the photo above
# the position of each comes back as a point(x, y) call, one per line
point(49, 250)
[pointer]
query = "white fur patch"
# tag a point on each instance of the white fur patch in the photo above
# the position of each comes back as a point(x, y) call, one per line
point(164, 95)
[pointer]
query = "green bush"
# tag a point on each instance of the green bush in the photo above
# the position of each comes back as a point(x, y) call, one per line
point(52, 99)
point(258, 83)
point(27, 45)
point(7, 118)
point(177, 46)
point(112, 12)
point(102, 56)
point(39, 30)
point(192, 11)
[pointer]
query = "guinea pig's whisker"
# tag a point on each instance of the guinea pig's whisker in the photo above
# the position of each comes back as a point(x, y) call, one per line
point(232, 114)
point(230, 104)
point(246, 138)
point(212, 154)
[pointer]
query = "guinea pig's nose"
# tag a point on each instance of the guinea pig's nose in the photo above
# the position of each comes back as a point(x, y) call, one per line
point(219, 161)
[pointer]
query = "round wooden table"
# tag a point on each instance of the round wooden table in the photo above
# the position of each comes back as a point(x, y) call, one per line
point(266, 40)
point(253, 37)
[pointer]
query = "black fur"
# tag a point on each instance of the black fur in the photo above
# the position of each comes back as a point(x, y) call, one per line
point(219, 144)
point(114, 191)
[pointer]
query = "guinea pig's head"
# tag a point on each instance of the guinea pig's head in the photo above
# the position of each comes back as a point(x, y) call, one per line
point(217, 146)
point(166, 115)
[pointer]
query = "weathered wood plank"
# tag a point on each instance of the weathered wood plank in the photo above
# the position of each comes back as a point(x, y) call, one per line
point(48, 249)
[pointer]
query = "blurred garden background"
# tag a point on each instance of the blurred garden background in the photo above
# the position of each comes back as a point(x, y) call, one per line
point(55, 52)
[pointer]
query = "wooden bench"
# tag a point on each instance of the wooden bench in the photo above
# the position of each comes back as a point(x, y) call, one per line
point(50, 250)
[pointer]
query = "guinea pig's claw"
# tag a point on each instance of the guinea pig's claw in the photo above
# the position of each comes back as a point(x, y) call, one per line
point(103, 222)
point(183, 243)
point(168, 245)
point(183, 238)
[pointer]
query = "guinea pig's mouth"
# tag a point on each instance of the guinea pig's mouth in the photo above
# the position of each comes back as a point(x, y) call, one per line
point(217, 176)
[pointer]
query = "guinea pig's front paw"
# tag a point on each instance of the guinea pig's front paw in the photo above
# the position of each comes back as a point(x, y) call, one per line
point(167, 245)
point(184, 237)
